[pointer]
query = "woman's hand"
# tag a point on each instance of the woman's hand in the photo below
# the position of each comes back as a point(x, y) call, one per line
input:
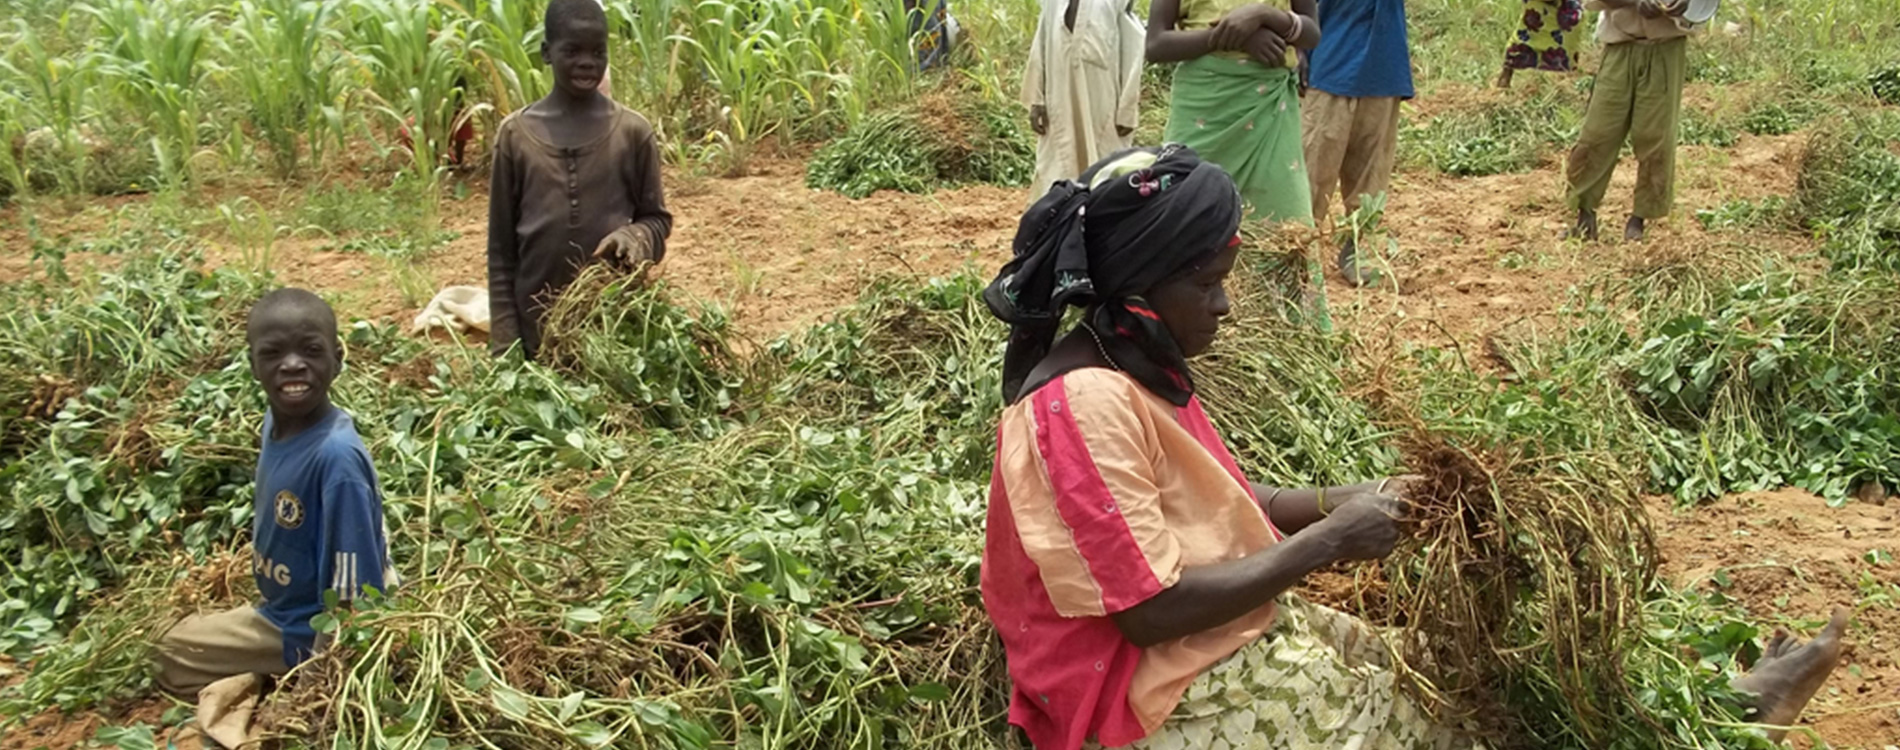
point(1235, 30)
point(1267, 47)
point(1366, 526)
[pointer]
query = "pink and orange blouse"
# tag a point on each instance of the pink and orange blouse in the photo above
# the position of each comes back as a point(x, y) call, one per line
point(1102, 494)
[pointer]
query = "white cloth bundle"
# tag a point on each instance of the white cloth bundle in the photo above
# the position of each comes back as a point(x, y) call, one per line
point(458, 308)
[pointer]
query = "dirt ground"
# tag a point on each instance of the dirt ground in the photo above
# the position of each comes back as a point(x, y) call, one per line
point(54, 731)
point(1790, 559)
point(1479, 257)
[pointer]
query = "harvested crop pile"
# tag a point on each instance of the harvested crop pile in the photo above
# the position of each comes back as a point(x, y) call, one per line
point(945, 139)
point(609, 328)
point(1522, 575)
point(1276, 379)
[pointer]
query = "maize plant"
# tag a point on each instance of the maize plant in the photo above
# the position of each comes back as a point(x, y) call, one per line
point(770, 67)
point(290, 70)
point(48, 102)
point(153, 53)
point(507, 48)
point(417, 56)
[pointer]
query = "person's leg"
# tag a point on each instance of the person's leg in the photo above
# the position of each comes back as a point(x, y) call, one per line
point(1367, 166)
point(1326, 124)
point(203, 649)
point(1606, 122)
point(1656, 111)
point(1366, 169)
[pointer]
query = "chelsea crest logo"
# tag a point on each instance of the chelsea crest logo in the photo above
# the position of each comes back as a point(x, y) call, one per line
point(289, 510)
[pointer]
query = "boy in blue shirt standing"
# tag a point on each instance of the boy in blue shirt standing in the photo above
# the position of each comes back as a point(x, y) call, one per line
point(1356, 78)
point(319, 515)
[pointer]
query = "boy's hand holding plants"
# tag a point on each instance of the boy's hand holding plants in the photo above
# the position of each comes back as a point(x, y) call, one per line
point(628, 248)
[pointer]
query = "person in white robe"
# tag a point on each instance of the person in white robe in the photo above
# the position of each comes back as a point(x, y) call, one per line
point(1082, 85)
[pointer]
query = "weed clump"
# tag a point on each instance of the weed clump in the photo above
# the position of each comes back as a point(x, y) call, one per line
point(918, 149)
point(1849, 189)
point(1495, 136)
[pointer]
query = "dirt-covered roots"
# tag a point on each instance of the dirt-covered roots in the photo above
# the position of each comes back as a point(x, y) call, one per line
point(1520, 575)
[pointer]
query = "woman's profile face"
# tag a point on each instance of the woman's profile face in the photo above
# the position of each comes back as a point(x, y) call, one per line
point(1192, 305)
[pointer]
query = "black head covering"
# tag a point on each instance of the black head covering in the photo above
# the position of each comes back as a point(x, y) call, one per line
point(1135, 219)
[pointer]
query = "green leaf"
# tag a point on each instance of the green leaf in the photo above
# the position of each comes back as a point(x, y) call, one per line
point(511, 703)
point(583, 616)
point(591, 734)
point(570, 705)
point(136, 737)
point(652, 713)
point(929, 691)
point(323, 622)
point(476, 680)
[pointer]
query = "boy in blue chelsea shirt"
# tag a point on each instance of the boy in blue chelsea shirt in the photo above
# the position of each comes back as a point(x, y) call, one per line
point(319, 515)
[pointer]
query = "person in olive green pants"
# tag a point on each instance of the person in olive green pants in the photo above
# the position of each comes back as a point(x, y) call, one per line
point(1637, 95)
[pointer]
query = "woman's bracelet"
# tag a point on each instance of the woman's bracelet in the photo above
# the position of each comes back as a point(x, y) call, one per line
point(1380, 490)
point(1299, 26)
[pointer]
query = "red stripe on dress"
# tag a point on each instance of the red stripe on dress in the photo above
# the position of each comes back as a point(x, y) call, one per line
point(1115, 561)
point(1142, 311)
point(1057, 694)
point(1194, 419)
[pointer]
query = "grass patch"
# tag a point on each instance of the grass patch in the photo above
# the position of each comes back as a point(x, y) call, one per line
point(1700, 128)
point(937, 144)
point(1494, 137)
point(1849, 190)
point(403, 208)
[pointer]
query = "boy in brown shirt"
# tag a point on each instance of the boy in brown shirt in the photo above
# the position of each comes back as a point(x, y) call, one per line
point(576, 179)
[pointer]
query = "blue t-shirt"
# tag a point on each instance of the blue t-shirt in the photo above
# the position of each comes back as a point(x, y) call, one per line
point(318, 526)
point(1362, 50)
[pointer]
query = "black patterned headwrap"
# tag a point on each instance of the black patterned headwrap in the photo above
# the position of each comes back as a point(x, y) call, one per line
point(1136, 219)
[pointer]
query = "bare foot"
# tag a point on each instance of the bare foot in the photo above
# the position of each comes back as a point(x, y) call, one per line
point(1633, 231)
point(1789, 673)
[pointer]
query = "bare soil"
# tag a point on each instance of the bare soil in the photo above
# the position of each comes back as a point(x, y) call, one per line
point(1791, 560)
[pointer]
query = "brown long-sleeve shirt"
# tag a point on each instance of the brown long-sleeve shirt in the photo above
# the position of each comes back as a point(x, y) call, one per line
point(549, 207)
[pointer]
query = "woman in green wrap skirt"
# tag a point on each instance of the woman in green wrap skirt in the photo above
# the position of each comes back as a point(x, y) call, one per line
point(1236, 97)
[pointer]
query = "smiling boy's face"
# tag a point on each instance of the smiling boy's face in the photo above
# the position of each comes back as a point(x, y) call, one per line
point(577, 52)
point(294, 356)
